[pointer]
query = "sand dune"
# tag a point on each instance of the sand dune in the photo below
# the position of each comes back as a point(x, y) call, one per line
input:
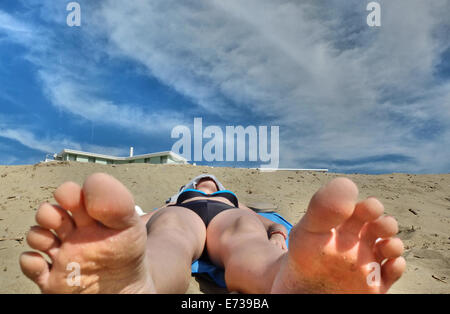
point(421, 204)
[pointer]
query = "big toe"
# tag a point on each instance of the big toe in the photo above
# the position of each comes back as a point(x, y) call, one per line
point(330, 206)
point(109, 201)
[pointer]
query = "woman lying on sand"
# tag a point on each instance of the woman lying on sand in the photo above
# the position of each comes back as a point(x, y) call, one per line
point(331, 249)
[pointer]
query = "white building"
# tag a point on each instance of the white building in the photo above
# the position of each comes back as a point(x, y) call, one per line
point(167, 157)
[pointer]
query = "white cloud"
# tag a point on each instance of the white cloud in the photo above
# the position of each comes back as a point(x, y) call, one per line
point(286, 59)
point(338, 89)
point(11, 26)
point(78, 99)
point(70, 82)
point(54, 144)
point(27, 138)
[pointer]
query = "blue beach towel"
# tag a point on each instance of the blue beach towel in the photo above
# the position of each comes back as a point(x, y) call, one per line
point(216, 273)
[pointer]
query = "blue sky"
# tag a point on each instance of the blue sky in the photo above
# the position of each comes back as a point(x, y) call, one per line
point(346, 96)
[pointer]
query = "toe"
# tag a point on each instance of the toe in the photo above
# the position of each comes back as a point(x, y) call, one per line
point(383, 227)
point(330, 206)
point(54, 217)
point(70, 196)
point(365, 211)
point(109, 202)
point(43, 240)
point(35, 267)
point(391, 271)
point(388, 249)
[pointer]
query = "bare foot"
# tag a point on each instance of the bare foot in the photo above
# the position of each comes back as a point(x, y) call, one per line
point(334, 247)
point(100, 248)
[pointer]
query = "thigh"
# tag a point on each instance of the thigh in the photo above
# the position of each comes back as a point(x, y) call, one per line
point(179, 224)
point(230, 230)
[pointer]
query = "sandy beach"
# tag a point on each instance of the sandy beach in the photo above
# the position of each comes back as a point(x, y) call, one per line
point(420, 203)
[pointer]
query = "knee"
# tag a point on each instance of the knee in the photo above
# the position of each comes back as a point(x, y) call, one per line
point(247, 224)
point(177, 226)
point(168, 220)
point(243, 229)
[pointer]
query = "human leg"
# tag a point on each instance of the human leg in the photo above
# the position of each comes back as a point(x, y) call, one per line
point(104, 236)
point(334, 247)
point(103, 239)
point(331, 249)
point(176, 237)
point(238, 241)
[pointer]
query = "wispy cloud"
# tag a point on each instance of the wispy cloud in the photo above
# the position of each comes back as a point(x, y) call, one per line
point(81, 100)
point(17, 30)
point(70, 83)
point(334, 95)
point(27, 139)
point(54, 144)
point(343, 94)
